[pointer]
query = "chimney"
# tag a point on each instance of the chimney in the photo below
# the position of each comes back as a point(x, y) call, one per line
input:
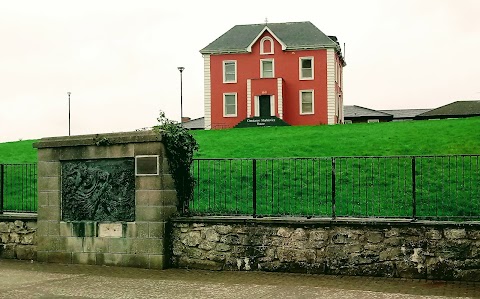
point(185, 119)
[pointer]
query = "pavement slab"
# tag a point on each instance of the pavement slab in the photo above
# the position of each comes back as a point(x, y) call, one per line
point(22, 279)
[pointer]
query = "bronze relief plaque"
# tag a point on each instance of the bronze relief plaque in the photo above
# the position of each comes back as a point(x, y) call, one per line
point(98, 190)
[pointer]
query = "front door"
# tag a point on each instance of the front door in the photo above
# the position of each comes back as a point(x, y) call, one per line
point(265, 110)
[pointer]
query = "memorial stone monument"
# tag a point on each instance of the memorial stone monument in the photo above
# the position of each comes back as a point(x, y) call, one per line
point(104, 199)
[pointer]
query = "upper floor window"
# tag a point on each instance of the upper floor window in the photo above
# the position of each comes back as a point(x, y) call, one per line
point(306, 68)
point(266, 45)
point(229, 104)
point(230, 71)
point(306, 102)
point(267, 68)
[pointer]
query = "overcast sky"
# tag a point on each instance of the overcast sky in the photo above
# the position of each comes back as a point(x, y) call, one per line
point(119, 59)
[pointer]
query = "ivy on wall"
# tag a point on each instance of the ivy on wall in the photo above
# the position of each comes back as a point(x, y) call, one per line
point(180, 148)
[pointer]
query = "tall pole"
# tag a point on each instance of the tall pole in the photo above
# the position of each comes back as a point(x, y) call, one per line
point(69, 93)
point(181, 68)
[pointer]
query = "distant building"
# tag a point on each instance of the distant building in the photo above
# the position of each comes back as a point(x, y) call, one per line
point(290, 71)
point(405, 114)
point(194, 124)
point(358, 114)
point(458, 109)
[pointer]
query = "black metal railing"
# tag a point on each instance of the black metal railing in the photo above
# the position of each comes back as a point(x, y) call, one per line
point(414, 187)
point(18, 188)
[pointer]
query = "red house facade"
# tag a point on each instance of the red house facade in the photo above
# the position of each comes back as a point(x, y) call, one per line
point(291, 71)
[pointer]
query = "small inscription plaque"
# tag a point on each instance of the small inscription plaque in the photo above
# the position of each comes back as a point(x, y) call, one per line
point(270, 121)
point(112, 230)
point(146, 165)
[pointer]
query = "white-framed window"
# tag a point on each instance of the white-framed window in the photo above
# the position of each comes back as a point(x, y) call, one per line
point(266, 45)
point(267, 68)
point(307, 102)
point(230, 104)
point(230, 71)
point(305, 65)
point(373, 121)
point(347, 121)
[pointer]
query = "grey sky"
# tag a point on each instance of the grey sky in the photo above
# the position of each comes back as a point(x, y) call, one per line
point(119, 58)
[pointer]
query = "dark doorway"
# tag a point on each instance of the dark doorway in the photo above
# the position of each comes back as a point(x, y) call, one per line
point(264, 102)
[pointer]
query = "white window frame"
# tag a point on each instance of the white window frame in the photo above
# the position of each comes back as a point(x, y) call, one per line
point(347, 121)
point(313, 101)
point(373, 120)
point(300, 74)
point(273, 67)
point(224, 74)
point(236, 104)
point(262, 48)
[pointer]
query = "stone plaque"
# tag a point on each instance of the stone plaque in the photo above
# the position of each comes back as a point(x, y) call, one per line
point(146, 165)
point(113, 230)
point(98, 190)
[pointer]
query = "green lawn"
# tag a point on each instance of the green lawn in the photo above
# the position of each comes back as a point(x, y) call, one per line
point(18, 152)
point(376, 187)
point(429, 137)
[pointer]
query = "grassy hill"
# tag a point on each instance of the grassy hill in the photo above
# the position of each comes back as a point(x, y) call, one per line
point(18, 152)
point(453, 136)
point(445, 186)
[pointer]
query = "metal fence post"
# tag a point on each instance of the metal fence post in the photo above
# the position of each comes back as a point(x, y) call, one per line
point(254, 179)
point(333, 190)
point(2, 170)
point(414, 192)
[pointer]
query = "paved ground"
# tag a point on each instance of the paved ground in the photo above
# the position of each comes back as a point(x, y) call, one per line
point(19, 279)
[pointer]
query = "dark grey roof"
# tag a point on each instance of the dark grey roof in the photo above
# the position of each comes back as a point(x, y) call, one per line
point(358, 111)
point(405, 113)
point(295, 36)
point(459, 108)
point(195, 124)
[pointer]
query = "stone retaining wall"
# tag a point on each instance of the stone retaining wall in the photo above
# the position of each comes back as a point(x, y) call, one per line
point(419, 250)
point(18, 239)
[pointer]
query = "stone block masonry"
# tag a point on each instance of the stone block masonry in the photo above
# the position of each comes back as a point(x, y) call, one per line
point(18, 239)
point(408, 250)
point(138, 241)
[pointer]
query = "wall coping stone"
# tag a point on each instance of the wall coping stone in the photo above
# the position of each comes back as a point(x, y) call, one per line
point(92, 139)
point(18, 216)
point(303, 221)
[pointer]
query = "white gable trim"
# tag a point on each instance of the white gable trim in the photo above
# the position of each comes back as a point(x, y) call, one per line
point(249, 48)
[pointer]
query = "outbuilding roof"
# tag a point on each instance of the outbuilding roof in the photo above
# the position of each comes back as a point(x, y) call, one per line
point(293, 36)
point(458, 108)
point(358, 111)
point(405, 113)
point(195, 124)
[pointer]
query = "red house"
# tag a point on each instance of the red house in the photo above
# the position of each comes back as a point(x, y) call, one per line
point(290, 71)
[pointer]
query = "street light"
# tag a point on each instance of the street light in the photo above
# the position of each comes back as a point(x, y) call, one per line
point(181, 68)
point(69, 93)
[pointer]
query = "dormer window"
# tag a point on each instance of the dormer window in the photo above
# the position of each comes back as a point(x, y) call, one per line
point(266, 45)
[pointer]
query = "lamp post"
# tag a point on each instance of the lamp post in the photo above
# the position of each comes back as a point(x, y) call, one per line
point(181, 68)
point(69, 93)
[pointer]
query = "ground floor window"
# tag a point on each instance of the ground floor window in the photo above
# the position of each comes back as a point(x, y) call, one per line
point(229, 104)
point(306, 102)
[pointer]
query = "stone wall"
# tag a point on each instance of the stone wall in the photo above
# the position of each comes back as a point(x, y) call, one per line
point(409, 250)
point(18, 239)
point(137, 243)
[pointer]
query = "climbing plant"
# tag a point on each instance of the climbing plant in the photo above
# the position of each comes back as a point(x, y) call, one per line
point(180, 148)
